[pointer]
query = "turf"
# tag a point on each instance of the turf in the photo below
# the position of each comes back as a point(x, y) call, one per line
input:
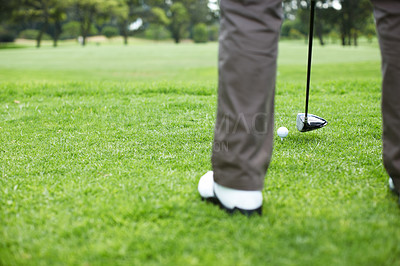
point(100, 159)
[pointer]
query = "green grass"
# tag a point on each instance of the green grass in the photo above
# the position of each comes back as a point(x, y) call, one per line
point(144, 62)
point(99, 161)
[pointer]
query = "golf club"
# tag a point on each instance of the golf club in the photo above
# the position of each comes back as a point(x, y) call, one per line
point(305, 121)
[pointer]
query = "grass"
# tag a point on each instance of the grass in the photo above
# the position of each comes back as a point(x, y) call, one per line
point(100, 159)
point(154, 62)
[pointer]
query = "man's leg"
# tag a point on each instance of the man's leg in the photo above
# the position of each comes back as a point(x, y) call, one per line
point(248, 51)
point(387, 15)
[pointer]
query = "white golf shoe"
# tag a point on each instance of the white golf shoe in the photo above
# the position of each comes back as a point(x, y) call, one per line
point(247, 202)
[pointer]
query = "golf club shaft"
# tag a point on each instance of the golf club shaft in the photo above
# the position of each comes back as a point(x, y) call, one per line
point(310, 44)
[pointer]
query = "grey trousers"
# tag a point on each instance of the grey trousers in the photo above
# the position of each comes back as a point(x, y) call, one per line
point(248, 48)
point(387, 16)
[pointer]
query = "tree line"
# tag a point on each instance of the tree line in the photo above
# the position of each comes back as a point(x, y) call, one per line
point(177, 19)
point(344, 21)
point(181, 18)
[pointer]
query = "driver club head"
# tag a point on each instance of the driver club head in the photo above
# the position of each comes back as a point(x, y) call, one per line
point(313, 122)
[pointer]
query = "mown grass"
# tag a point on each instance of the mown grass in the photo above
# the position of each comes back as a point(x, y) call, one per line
point(144, 62)
point(98, 170)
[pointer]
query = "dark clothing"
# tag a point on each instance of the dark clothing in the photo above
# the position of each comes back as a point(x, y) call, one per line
point(249, 35)
point(387, 16)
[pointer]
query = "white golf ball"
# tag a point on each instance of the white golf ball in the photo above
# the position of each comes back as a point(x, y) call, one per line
point(283, 132)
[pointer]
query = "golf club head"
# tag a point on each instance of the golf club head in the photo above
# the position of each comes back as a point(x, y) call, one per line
point(313, 122)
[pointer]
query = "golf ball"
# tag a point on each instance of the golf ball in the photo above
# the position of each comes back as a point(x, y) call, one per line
point(283, 132)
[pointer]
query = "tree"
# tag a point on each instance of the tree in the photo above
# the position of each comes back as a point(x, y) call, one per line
point(87, 11)
point(349, 18)
point(179, 21)
point(369, 30)
point(127, 11)
point(35, 10)
point(110, 31)
point(159, 17)
point(42, 13)
point(7, 7)
point(158, 21)
point(326, 22)
point(57, 16)
point(213, 32)
point(200, 33)
point(6, 10)
point(198, 12)
point(354, 18)
point(70, 30)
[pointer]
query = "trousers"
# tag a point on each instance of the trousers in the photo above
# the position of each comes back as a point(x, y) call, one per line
point(387, 17)
point(248, 49)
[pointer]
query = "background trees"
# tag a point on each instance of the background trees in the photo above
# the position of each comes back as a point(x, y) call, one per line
point(336, 21)
point(347, 20)
point(41, 13)
point(88, 12)
point(179, 21)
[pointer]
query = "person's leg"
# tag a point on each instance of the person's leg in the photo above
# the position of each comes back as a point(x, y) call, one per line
point(387, 16)
point(242, 147)
point(248, 51)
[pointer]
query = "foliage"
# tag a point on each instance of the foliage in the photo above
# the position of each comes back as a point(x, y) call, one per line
point(157, 32)
point(349, 21)
point(7, 8)
point(158, 21)
point(88, 11)
point(180, 16)
point(295, 34)
point(334, 36)
point(159, 17)
point(43, 12)
point(287, 25)
point(291, 26)
point(31, 34)
point(213, 32)
point(70, 30)
point(369, 30)
point(200, 33)
point(123, 12)
point(198, 11)
point(6, 35)
point(354, 18)
point(179, 21)
point(110, 31)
